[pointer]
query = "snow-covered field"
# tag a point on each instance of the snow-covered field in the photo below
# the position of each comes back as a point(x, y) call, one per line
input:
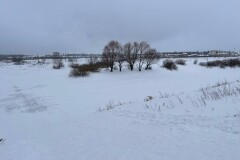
point(156, 114)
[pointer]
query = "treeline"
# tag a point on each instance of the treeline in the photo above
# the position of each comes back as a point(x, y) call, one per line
point(135, 53)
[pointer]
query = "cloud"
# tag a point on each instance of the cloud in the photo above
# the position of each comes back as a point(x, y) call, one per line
point(30, 27)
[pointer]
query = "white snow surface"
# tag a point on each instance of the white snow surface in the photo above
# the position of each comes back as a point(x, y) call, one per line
point(156, 114)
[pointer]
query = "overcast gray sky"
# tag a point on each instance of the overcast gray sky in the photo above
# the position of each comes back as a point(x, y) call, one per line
point(44, 26)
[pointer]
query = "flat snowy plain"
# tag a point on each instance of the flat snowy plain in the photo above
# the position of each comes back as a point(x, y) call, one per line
point(156, 114)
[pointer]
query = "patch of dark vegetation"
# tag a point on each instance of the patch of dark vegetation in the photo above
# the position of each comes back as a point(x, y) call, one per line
point(84, 70)
point(222, 63)
point(79, 72)
point(180, 62)
point(18, 60)
point(169, 64)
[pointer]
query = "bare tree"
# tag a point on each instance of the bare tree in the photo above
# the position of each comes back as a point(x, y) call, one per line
point(120, 59)
point(143, 49)
point(110, 52)
point(151, 57)
point(130, 54)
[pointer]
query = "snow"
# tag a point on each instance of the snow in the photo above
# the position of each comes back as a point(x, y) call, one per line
point(45, 114)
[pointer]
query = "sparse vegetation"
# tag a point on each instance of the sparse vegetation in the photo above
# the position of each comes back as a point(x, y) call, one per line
point(111, 105)
point(200, 98)
point(220, 90)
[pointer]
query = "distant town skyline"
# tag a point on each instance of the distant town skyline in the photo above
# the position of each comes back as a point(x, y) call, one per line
point(85, 26)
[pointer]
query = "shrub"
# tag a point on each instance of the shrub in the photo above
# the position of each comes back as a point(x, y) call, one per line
point(85, 69)
point(80, 72)
point(233, 62)
point(169, 64)
point(180, 61)
point(195, 61)
point(222, 63)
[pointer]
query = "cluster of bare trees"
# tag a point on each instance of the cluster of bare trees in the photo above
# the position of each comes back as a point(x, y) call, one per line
point(134, 54)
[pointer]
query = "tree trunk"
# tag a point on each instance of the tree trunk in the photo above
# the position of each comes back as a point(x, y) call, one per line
point(147, 67)
point(131, 67)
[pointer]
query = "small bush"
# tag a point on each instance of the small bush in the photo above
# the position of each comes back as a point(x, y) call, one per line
point(195, 61)
point(180, 61)
point(80, 72)
point(169, 64)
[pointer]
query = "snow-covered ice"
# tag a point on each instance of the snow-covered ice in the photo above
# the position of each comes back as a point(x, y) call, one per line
point(156, 114)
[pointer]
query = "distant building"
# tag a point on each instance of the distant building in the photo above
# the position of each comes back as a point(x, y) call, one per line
point(56, 54)
point(213, 52)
